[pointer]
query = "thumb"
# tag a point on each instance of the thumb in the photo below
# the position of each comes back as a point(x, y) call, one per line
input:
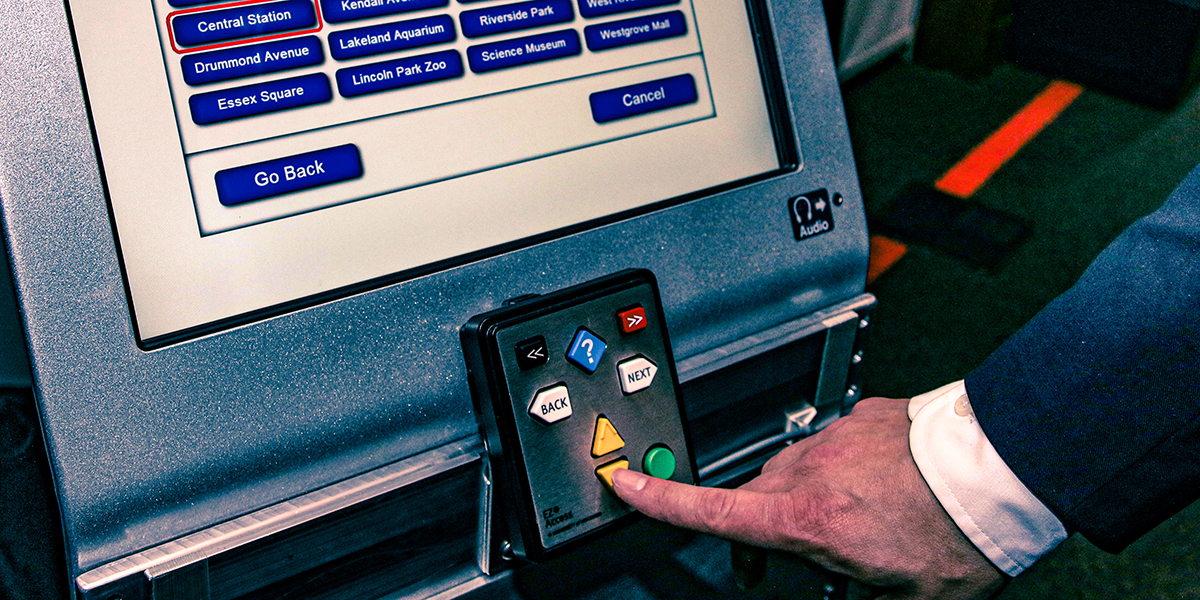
point(732, 514)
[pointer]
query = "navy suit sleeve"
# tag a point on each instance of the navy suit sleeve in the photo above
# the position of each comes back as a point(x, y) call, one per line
point(1095, 403)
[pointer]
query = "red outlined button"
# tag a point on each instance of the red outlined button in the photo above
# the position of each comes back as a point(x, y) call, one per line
point(632, 319)
point(238, 42)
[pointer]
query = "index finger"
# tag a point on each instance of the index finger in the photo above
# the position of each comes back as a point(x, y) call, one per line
point(739, 515)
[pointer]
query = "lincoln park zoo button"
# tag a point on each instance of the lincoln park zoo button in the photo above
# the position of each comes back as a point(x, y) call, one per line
point(551, 405)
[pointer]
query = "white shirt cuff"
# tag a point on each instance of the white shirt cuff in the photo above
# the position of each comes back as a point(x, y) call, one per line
point(1008, 524)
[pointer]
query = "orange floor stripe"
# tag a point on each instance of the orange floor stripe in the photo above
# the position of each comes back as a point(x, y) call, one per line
point(964, 178)
point(885, 252)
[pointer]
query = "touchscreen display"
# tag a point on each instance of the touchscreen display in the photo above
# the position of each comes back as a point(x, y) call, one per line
point(260, 152)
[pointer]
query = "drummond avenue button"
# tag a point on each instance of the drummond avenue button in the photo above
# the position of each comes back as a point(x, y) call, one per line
point(259, 98)
point(642, 98)
point(523, 51)
point(288, 174)
point(402, 72)
point(256, 59)
point(194, 29)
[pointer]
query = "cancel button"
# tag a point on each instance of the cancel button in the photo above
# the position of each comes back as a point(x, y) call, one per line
point(641, 98)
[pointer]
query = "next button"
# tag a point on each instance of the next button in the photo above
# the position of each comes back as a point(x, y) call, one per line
point(642, 98)
point(288, 174)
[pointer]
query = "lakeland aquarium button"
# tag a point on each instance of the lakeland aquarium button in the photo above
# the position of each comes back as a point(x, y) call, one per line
point(194, 29)
point(399, 73)
point(256, 59)
point(340, 11)
point(636, 374)
point(259, 98)
point(532, 353)
point(391, 37)
point(289, 174)
point(599, 8)
point(634, 31)
point(523, 51)
point(586, 350)
point(511, 17)
point(629, 101)
point(551, 405)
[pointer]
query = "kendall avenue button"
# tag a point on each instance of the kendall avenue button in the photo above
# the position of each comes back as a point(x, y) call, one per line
point(194, 29)
point(523, 51)
point(511, 17)
point(390, 37)
point(289, 174)
point(259, 98)
point(634, 31)
point(629, 101)
point(256, 59)
point(398, 73)
point(340, 11)
point(551, 405)
point(636, 374)
point(599, 8)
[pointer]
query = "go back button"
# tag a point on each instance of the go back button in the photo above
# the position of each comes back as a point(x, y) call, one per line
point(632, 100)
point(288, 174)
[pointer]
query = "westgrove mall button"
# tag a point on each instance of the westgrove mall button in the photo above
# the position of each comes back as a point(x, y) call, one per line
point(632, 100)
point(288, 174)
point(207, 27)
point(259, 98)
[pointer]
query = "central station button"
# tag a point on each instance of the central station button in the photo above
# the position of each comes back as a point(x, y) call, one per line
point(551, 405)
point(636, 374)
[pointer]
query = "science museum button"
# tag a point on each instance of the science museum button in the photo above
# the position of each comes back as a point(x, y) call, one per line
point(586, 350)
point(532, 353)
point(599, 8)
point(629, 101)
point(259, 98)
point(289, 174)
point(605, 473)
point(523, 51)
point(391, 37)
point(659, 462)
point(634, 31)
point(340, 11)
point(551, 405)
point(256, 59)
point(399, 73)
point(632, 320)
point(511, 17)
point(196, 28)
point(636, 374)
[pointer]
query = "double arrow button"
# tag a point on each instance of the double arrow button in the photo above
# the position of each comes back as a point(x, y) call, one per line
point(532, 353)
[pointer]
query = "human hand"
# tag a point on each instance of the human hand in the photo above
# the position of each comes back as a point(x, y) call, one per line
point(849, 498)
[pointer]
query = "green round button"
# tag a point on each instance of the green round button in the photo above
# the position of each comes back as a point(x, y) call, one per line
point(659, 462)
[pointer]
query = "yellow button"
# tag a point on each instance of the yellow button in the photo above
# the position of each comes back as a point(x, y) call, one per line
point(605, 472)
point(606, 439)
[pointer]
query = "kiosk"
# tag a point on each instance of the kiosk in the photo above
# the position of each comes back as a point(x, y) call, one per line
point(320, 298)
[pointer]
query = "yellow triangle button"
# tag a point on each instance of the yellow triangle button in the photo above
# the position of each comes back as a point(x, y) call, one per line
point(606, 438)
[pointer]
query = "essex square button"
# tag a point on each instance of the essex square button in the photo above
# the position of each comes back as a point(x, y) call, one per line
point(633, 319)
point(532, 353)
point(586, 350)
point(551, 405)
point(636, 374)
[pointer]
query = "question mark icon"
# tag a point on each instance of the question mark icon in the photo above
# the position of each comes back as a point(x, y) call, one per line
point(588, 344)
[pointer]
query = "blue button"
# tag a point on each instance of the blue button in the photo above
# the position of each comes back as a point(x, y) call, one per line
point(511, 17)
point(340, 11)
point(259, 98)
point(194, 29)
point(642, 98)
point(390, 37)
point(586, 350)
point(256, 59)
point(634, 31)
point(289, 174)
point(402, 72)
point(599, 8)
point(522, 51)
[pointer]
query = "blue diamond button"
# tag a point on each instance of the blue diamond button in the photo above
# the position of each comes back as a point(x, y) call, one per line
point(586, 350)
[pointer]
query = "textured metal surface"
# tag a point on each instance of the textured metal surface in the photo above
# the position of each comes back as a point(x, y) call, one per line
point(149, 446)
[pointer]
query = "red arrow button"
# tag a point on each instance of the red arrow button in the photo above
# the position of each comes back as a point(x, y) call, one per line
point(633, 319)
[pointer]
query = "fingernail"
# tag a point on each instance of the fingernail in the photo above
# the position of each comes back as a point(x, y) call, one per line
point(629, 480)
